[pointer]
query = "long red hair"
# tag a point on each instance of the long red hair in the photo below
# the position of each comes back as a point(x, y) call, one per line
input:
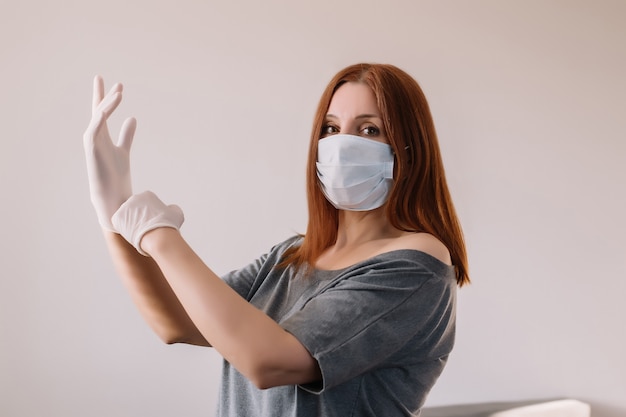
point(419, 200)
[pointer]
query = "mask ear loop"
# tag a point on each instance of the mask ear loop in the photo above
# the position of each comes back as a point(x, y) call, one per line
point(395, 167)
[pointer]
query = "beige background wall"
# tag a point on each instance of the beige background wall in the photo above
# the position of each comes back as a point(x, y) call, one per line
point(529, 100)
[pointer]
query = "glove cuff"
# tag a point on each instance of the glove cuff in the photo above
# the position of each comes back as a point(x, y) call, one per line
point(142, 213)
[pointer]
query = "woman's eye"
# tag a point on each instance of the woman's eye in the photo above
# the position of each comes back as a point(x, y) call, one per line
point(329, 130)
point(371, 131)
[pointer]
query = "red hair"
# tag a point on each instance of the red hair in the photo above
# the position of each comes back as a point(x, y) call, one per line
point(419, 200)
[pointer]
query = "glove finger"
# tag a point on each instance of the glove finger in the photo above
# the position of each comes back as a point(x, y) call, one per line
point(117, 88)
point(127, 134)
point(98, 93)
point(109, 103)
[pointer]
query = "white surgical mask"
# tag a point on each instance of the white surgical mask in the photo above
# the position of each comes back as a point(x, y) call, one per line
point(355, 173)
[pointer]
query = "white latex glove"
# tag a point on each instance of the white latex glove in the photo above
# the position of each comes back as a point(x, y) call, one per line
point(142, 213)
point(108, 164)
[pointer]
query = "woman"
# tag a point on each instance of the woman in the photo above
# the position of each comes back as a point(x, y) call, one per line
point(356, 317)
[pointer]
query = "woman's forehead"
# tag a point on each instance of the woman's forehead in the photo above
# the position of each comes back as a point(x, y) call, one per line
point(352, 99)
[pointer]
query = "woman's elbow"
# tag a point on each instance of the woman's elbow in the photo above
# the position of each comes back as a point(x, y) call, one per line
point(262, 384)
point(265, 379)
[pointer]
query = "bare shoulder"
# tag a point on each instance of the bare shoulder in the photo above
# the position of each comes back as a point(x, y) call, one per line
point(424, 242)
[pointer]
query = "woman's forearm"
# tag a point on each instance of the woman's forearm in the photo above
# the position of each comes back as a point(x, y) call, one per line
point(245, 336)
point(152, 294)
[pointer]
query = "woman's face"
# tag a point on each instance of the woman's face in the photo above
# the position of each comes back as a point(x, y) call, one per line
point(353, 111)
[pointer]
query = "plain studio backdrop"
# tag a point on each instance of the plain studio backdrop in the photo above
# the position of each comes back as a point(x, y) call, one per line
point(529, 102)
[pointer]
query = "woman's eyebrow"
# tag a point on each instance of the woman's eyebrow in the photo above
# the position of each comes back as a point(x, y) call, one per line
point(368, 116)
point(361, 116)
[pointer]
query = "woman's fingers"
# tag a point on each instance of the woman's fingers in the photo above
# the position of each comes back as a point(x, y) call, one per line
point(98, 93)
point(103, 106)
point(127, 133)
point(109, 103)
point(104, 103)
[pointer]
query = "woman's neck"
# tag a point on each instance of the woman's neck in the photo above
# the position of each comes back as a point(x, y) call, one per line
point(360, 236)
point(359, 227)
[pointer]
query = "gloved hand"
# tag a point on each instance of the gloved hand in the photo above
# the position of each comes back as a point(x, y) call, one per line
point(108, 164)
point(142, 213)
